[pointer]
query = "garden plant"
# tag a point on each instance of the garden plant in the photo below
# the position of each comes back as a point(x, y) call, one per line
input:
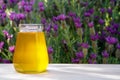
point(77, 31)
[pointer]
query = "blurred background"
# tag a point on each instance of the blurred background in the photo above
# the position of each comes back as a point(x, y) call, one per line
point(77, 31)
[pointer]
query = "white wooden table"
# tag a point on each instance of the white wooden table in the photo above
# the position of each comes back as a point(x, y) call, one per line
point(65, 72)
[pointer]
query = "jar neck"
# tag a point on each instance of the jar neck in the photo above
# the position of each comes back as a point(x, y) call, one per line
point(30, 28)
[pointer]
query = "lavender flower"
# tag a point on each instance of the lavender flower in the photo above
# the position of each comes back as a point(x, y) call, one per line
point(111, 40)
point(101, 21)
point(50, 50)
point(7, 35)
point(54, 19)
point(12, 1)
point(41, 6)
point(102, 10)
point(5, 61)
point(5, 32)
point(91, 11)
point(112, 0)
point(3, 16)
point(90, 61)
point(48, 28)
point(11, 49)
point(21, 4)
point(3, 7)
point(55, 27)
point(13, 16)
point(78, 25)
point(43, 21)
point(72, 14)
point(1, 2)
point(109, 11)
point(75, 60)
point(105, 54)
point(1, 45)
point(118, 46)
point(61, 17)
point(93, 56)
point(87, 14)
point(17, 17)
point(77, 22)
point(28, 8)
point(91, 24)
point(21, 16)
point(85, 45)
point(80, 55)
point(0, 59)
point(94, 37)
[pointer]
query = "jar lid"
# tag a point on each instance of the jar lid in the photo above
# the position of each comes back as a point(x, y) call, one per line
point(31, 27)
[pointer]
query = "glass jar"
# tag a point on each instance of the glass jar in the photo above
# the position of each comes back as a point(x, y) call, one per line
point(30, 54)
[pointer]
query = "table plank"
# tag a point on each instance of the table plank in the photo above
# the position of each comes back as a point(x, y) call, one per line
point(65, 72)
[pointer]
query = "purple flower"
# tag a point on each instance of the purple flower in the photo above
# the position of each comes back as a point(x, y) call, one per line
point(90, 61)
point(111, 40)
point(48, 28)
point(0, 59)
point(12, 1)
point(3, 16)
point(43, 21)
point(54, 19)
point(61, 17)
point(105, 54)
point(40, 4)
point(5, 61)
point(87, 14)
point(102, 36)
point(112, 0)
point(109, 11)
point(55, 27)
point(3, 7)
point(21, 16)
point(85, 45)
point(91, 24)
point(32, 2)
point(1, 2)
point(101, 21)
point(118, 46)
point(76, 20)
point(13, 16)
point(27, 8)
point(41, 9)
point(78, 25)
point(21, 4)
point(91, 11)
point(1, 45)
point(11, 49)
point(72, 14)
point(93, 56)
point(7, 35)
point(94, 37)
point(80, 55)
point(75, 60)
point(5, 32)
point(50, 50)
point(102, 10)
